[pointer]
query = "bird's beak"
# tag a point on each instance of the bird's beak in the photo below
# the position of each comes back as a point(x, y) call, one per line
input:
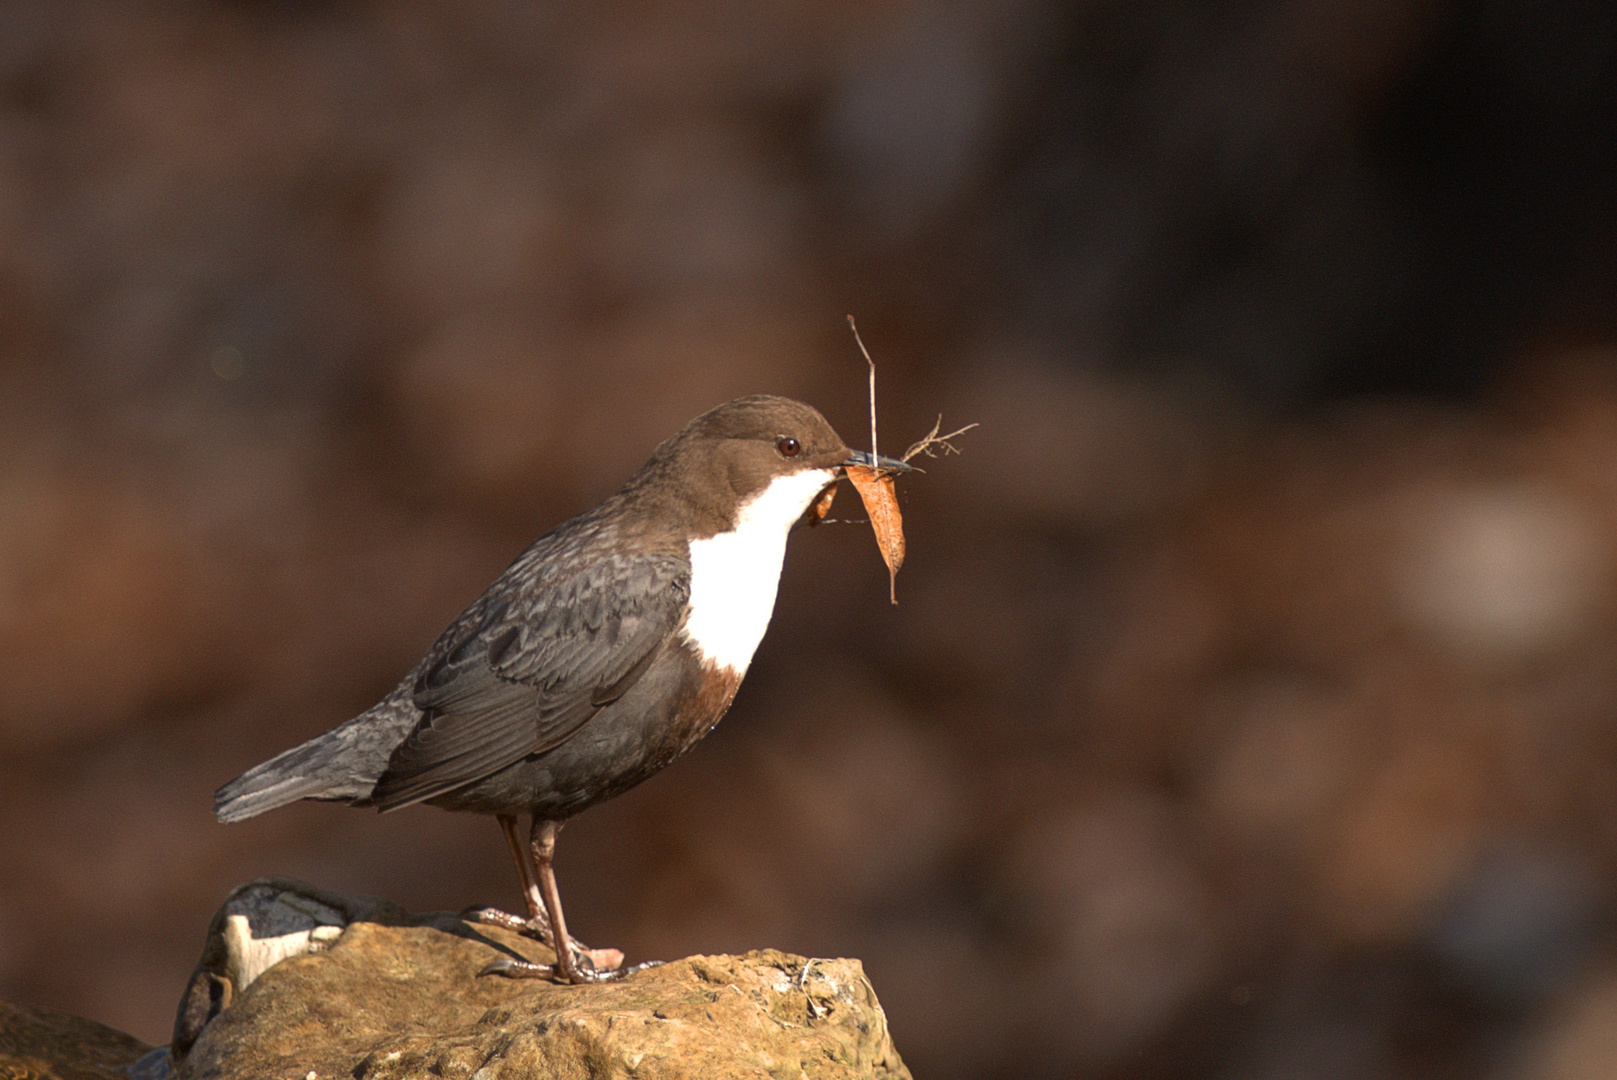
point(821, 506)
point(885, 464)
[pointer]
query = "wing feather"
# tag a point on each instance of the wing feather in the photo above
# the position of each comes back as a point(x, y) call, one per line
point(528, 671)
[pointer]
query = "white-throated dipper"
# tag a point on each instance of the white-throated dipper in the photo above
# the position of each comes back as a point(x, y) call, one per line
point(604, 652)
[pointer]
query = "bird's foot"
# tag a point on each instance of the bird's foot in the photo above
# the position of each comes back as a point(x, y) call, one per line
point(589, 966)
point(592, 965)
point(536, 927)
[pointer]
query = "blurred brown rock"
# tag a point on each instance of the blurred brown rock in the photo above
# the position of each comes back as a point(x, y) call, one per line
point(1578, 1039)
point(42, 1044)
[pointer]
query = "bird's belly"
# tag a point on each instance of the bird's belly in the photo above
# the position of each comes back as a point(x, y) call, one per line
point(623, 744)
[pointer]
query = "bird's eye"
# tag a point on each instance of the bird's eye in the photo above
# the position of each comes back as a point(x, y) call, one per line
point(788, 446)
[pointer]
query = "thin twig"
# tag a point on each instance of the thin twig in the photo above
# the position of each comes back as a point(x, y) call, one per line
point(933, 439)
point(861, 341)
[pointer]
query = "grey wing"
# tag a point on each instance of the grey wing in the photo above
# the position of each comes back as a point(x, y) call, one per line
point(532, 670)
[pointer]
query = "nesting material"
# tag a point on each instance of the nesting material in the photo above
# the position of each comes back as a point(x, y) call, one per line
point(878, 491)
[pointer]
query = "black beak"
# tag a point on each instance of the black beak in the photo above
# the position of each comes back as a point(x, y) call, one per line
point(886, 464)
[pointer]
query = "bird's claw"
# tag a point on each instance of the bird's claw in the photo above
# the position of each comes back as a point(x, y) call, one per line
point(538, 926)
point(591, 965)
point(517, 969)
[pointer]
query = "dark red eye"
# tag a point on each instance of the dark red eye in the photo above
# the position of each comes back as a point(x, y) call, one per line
point(788, 446)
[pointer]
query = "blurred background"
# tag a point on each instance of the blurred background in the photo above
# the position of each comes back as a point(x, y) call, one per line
point(1250, 708)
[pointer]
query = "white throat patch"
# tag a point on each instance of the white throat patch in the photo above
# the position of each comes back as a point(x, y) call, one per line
point(734, 574)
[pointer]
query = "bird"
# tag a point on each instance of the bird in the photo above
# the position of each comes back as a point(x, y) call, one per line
point(605, 651)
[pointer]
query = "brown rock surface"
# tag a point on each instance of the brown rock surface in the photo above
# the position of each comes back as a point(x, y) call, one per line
point(385, 1000)
point(42, 1044)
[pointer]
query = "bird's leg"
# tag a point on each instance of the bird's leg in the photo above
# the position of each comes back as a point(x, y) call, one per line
point(536, 924)
point(542, 843)
point(598, 963)
point(575, 961)
point(530, 888)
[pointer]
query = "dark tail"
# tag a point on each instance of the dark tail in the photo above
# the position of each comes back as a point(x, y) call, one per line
point(303, 772)
point(342, 765)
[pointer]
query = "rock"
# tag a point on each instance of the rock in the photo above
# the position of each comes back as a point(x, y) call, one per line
point(260, 924)
point(41, 1044)
point(362, 989)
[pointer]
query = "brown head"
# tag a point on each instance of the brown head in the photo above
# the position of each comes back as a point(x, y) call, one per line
point(727, 457)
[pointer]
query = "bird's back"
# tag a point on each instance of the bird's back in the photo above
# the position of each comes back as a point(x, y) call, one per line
point(537, 655)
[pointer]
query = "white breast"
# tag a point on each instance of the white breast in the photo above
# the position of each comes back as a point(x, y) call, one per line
point(734, 574)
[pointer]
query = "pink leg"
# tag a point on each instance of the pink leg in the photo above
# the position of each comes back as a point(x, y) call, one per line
point(542, 843)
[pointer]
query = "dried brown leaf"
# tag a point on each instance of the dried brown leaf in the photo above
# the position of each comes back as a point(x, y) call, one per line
point(878, 491)
point(822, 506)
